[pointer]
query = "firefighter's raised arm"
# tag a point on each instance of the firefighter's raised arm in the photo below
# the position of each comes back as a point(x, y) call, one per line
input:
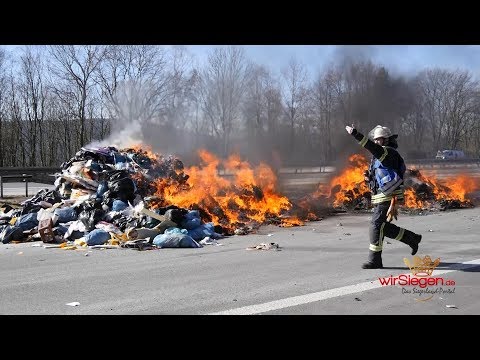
point(375, 149)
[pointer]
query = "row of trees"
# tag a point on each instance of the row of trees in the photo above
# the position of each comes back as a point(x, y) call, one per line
point(56, 99)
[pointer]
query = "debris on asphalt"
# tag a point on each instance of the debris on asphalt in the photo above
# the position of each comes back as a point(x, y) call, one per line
point(264, 246)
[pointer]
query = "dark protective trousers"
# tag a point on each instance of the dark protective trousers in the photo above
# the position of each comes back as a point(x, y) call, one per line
point(379, 228)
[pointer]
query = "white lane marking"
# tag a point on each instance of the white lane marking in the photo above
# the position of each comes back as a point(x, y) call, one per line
point(327, 294)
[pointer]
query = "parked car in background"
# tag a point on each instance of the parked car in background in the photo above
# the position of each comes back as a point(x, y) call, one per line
point(450, 154)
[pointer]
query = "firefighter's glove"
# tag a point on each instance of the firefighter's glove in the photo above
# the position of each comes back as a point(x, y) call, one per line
point(392, 212)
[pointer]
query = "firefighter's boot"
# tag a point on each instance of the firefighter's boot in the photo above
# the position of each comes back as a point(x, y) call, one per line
point(412, 240)
point(374, 260)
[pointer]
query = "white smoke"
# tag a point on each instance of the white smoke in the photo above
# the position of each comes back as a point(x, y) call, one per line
point(132, 112)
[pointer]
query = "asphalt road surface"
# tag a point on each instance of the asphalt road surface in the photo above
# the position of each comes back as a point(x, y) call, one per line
point(315, 271)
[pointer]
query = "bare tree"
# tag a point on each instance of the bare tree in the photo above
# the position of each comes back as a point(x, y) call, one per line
point(73, 66)
point(3, 102)
point(135, 80)
point(224, 83)
point(295, 83)
point(18, 146)
point(325, 107)
point(274, 106)
point(254, 109)
point(33, 95)
point(461, 103)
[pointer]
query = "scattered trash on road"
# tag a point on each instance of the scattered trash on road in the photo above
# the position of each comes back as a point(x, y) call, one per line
point(264, 246)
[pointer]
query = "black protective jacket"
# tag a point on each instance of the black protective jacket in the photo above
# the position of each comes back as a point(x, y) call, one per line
point(389, 157)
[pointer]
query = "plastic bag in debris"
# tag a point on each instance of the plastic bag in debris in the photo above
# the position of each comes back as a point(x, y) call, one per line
point(112, 215)
point(97, 237)
point(75, 230)
point(122, 166)
point(176, 230)
point(176, 215)
point(94, 166)
point(119, 158)
point(11, 233)
point(191, 220)
point(124, 186)
point(125, 222)
point(77, 167)
point(5, 220)
point(58, 181)
point(119, 205)
point(175, 240)
point(102, 189)
point(101, 154)
point(60, 230)
point(204, 230)
point(65, 189)
point(27, 222)
point(108, 227)
point(43, 214)
point(90, 217)
point(66, 214)
point(50, 196)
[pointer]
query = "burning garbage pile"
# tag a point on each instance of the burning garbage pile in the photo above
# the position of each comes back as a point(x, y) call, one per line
point(429, 193)
point(349, 191)
point(109, 197)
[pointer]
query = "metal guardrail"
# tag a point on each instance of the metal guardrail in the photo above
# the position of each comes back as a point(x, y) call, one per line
point(439, 161)
point(24, 177)
point(46, 173)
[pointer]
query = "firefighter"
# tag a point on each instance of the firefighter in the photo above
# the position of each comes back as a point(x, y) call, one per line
point(385, 180)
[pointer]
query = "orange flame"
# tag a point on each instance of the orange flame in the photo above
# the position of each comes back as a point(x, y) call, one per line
point(456, 188)
point(412, 200)
point(449, 189)
point(349, 183)
point(293, 221)
point(147, 151)
point(244, 194)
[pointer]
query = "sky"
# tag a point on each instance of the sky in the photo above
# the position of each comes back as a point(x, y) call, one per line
point(398, 59)
point(401, 59)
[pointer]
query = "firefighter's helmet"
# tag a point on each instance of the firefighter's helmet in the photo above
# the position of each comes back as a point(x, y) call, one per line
point(381, 132)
